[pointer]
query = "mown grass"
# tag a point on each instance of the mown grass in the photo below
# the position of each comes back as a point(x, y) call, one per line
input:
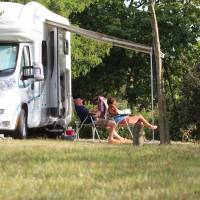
point(54, 169)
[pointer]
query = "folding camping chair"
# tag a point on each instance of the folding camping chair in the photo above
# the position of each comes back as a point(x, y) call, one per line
point(80, 124)
point(93, 124)
point(127, 112)
point(102, 109)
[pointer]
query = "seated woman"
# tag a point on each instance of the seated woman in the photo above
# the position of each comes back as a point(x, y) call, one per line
point(124, 119)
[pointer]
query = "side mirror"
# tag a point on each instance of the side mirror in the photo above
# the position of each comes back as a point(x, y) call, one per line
point(27, 72)
point(38, 72)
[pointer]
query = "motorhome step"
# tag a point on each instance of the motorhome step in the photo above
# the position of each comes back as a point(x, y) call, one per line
point(55, 130)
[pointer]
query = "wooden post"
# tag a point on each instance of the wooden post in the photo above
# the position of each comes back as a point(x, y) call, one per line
point(138, 134)
point(163, 122)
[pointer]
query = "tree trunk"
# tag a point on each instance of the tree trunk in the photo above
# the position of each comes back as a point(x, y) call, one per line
point(163, 122)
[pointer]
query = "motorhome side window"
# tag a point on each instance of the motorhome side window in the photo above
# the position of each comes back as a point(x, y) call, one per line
point(44, 57)
point(52, 50)
point(66, 47)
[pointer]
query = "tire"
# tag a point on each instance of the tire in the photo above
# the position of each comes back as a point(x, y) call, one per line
point(21, 131)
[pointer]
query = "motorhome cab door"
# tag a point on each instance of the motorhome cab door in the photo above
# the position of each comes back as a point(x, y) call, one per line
point(26, 86)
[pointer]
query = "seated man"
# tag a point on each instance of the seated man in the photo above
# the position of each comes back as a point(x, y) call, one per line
point(110, 125)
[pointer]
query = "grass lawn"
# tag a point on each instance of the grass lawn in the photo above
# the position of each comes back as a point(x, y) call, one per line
point(55, 169)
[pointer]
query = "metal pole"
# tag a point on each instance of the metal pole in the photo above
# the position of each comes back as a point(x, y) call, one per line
point(152, 96)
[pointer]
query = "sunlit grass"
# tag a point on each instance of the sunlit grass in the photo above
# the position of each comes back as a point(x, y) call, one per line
point(54, 169)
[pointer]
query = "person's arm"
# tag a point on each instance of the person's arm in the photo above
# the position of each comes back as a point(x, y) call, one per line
point(93, 111)
point(121, 112)
point(114, 110)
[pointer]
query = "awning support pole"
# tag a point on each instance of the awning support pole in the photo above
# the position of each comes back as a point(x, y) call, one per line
point(152, 96)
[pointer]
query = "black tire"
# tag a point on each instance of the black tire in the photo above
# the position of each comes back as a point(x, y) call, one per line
point(21, 131)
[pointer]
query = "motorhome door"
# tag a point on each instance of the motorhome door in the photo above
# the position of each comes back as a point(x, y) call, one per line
point(53, 72)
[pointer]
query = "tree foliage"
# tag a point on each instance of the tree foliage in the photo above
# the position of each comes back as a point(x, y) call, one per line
point(61, 7)
point(86, 54)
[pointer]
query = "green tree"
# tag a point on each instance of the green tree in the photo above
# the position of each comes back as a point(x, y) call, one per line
point(61, 7)
point(178, 25)
point(86, 54)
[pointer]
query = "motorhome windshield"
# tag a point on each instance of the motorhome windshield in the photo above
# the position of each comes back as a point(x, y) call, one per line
point(8, 58)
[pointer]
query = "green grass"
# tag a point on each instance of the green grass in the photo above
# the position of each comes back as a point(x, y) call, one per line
point(54, 169)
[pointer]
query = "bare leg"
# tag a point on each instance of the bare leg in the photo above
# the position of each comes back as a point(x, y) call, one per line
point(146, 123)
point(117, 136)
point(111, 130)
point(110, 134)
point(113, 137)
point(136, 118)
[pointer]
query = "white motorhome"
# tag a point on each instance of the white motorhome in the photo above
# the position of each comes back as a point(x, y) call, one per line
point(35, 69)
